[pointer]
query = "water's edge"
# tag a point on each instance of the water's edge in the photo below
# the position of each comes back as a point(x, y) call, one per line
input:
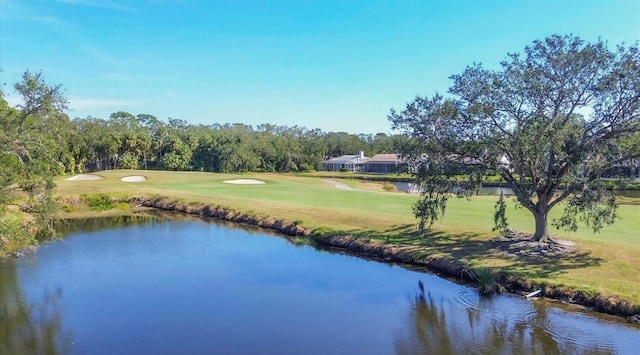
point(409, 255)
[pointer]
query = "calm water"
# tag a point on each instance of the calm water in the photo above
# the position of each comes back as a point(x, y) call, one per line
point(189, 286)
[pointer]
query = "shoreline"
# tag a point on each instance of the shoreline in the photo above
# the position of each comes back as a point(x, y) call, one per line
point(414, 257)
point(406, 254)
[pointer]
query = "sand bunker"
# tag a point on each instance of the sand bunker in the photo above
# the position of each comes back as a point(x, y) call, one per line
point(85, 177)
point(244, 182)
point(134, 178)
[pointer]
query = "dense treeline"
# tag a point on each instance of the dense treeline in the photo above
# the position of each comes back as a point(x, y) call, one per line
point(125, 141)
point(142, 141)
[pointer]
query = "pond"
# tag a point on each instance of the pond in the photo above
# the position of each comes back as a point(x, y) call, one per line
point(186, 286)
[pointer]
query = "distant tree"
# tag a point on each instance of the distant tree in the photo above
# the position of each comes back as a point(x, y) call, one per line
point(158, 132)
point(561, 114)
point(312, 149)
point(128, 160)
point(176, 154)
point(381, 143)
point(133, 139)
point(124, 119)
point(235, 148)
point(204, 154)
point(342, 143)
point(177, 124)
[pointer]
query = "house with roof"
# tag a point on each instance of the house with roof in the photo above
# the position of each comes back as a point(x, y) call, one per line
point(379, 163)
point(384, 164)
point(345, 163)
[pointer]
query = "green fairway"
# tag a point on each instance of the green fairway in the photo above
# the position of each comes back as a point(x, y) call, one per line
point(607, 262)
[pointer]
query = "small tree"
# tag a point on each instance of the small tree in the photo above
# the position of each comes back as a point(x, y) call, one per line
point(561, 113)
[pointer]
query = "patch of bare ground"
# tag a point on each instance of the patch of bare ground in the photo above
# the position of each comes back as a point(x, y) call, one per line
point(512, 244)
point(521, 245)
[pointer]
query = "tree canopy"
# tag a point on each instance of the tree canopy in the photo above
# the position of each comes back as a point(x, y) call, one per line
point(33, 142)
point(550, 122)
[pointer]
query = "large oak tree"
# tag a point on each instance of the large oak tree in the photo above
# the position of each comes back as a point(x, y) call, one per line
point(561, 112)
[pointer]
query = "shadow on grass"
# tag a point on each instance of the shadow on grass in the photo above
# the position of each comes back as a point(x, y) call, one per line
point(475, 249)
point(547, 267)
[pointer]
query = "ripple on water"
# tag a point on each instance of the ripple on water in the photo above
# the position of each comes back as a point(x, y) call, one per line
point(468, 297)
point(572, 331)
point(586, 332)
point(499, 306)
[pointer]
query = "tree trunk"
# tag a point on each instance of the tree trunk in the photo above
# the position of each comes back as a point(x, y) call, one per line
point(541, 234)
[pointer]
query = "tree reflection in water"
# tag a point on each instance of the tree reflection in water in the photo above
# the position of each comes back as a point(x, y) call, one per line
point(70, 226)
point(444, 327)
point(29, 328)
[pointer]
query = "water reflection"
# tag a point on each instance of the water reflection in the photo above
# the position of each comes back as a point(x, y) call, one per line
point(76, 225)
point(29, 328)
point(69, 226)
point(436, 325)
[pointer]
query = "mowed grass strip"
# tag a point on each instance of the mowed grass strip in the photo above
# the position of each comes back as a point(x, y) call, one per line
point(606, 262)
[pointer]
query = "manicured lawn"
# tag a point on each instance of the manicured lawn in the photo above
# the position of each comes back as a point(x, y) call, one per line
point(607, 262)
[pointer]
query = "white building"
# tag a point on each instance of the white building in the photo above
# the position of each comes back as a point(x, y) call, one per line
point(345, 163)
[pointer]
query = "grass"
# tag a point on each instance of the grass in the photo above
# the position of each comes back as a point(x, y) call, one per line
point(607, 263)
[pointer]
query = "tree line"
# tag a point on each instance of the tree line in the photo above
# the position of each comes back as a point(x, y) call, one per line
point(142, 141)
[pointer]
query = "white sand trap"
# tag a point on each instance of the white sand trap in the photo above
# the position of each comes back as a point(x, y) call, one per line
point(244, 182)
point(134, 178)
point(85, 177)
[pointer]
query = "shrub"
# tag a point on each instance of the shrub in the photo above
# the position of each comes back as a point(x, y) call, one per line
point(387, 186)
point(104, 202)
point(69, 208)
point(486, 282)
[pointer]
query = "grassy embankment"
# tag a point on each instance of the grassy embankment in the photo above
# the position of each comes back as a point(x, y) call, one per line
point(606, 263)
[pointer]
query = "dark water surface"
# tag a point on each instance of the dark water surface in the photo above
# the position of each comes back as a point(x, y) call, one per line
point(190, 286)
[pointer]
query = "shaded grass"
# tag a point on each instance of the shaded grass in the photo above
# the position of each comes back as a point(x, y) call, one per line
point(606, 263)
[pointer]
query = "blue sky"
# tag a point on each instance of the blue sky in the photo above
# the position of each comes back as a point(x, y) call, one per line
point(337, 65)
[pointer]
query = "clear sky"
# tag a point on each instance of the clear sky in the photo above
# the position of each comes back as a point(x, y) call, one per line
point(337, 65)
